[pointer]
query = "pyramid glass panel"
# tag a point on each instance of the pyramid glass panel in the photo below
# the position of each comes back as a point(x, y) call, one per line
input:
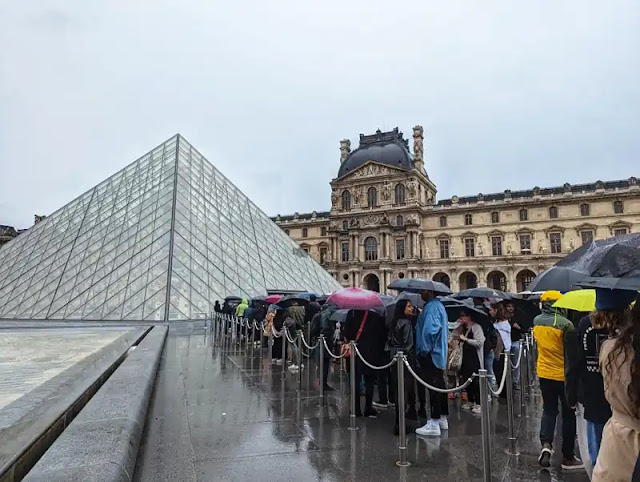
point(162, 239)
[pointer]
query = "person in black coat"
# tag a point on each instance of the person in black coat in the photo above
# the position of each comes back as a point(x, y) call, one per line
point(367, 329)
point(401, 338)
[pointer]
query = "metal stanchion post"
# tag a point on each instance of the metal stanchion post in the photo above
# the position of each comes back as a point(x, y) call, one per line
point(253, 336)
point(284, 352)
point(300, 358)
point(509, 388)
point(352, 379)
point(524, 373)
point(523, 385)
point(486, 443)
point(321, 363)
point(402, 424)
point(246, 334)
point(269, 344)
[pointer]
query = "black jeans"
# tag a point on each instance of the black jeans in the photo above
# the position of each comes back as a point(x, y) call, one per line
point(552, 393)
point(386, 388)
point(434, 377)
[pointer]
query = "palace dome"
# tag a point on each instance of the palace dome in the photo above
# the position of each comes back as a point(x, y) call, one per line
point(388, 148)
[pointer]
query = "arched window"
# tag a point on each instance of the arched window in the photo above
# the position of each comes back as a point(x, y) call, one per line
point(618, 207)
point(305, 232)
point(468, 219)
point(370, 249)
point(346, 200)
point(399, 220)
point(495, 217)
point(553, 212)
point(443, 221)
point(372, 197)
point(524, 214)
point(584, 209)
point(400, 194)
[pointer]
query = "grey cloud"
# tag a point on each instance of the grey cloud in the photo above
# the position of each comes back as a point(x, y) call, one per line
point(511, 95)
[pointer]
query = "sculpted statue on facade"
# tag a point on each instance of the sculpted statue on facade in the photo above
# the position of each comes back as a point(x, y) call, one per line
point(480, 250)
point(334, 197)
point(412, 188)
point(386, 191)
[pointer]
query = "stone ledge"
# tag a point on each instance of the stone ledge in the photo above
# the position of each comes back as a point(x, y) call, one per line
point(102, 443)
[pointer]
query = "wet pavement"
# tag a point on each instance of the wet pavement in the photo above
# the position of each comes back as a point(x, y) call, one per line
point(226, 414)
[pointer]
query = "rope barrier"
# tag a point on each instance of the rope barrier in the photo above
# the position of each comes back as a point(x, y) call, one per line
point(436, 389)
point(286, 332)
point(304, 342)
point(393, 360)
point(331, 354)
point(504, 377)
point(514, 367)
point(276, 333)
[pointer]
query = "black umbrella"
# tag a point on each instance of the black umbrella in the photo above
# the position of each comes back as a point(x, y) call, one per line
point(339, 315)
point(575, 260)
point(231, 299)
point(418, 285)
point(478, 316)
point(289, 300)
point(626, 283)
point(557, 278)
point(482, 292)
point(450, 300)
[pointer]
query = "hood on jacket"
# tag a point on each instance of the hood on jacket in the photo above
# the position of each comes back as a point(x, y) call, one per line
point(547, 307)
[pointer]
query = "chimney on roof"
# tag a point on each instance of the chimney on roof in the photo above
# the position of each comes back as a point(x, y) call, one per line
point(345, 149)
point(418, 148)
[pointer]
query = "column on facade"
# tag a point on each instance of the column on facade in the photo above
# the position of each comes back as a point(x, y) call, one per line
point(357, 277)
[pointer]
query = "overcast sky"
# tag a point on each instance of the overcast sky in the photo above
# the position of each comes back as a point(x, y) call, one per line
point(511, 94)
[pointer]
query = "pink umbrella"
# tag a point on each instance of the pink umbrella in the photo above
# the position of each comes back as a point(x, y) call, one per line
point(273, 298)
point(357, 299)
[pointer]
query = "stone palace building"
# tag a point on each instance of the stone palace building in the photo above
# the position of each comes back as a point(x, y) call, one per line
point(386, 223)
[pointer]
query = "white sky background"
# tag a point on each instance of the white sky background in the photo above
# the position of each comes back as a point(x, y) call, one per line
point(511, 94)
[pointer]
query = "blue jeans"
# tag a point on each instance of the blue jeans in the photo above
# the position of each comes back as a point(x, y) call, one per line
point(515, 352)
point(488, 365)
point(594, 437)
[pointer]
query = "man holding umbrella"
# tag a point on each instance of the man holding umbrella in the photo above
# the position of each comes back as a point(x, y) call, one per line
point(432, 330)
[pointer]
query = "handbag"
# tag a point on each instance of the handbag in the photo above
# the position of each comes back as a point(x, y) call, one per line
point(345, 349)
point(454, 355)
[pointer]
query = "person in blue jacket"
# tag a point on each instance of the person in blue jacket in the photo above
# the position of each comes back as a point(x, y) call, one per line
point(432, 331)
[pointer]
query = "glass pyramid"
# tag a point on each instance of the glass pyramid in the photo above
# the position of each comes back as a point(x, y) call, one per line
point(160, 240)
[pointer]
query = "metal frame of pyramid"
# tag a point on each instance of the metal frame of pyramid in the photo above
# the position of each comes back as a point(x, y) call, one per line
point(162, 239)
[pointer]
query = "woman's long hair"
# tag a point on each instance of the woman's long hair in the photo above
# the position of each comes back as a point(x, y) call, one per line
point(627, 343)
point(612, 320)
point(399, 311)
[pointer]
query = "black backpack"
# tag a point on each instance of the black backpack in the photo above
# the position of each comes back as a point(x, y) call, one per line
point(490, 339)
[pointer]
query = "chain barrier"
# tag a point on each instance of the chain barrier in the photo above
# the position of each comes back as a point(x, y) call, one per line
point(304, 342)
point(331, 353)
point(436, 389)
point(276, 333)
point(515, 367)
point(504, 377)
point(393, 360)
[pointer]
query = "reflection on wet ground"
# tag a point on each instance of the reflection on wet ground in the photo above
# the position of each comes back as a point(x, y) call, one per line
point(227, 414)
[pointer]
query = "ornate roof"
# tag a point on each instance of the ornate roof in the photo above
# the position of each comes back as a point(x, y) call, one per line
point(389, 148)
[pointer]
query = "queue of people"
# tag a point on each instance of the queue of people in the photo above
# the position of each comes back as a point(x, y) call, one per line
point(596, 364)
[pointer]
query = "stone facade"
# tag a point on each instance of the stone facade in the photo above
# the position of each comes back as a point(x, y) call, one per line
point(385, 222)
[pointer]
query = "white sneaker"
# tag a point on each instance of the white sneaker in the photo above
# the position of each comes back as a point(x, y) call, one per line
point(476, 409)
point(293, 367)
point(443, 423)
point(381, 406)
point(279, 361)
point(431, 429)
point(466, 406)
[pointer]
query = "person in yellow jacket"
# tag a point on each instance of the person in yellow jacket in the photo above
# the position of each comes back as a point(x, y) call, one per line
point(555, 336)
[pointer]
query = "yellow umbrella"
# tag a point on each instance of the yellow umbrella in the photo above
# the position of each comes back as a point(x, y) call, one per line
point(579, 300)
